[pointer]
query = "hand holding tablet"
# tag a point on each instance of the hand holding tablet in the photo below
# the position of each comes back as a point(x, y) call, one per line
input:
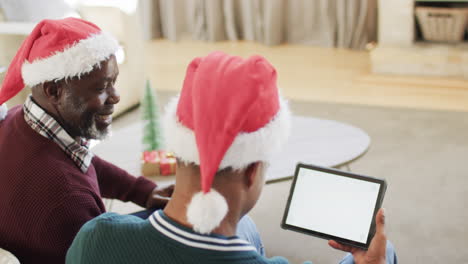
point(376, 252)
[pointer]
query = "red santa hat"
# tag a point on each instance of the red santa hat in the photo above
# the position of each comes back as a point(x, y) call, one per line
point(229, 114)
point(56, 49)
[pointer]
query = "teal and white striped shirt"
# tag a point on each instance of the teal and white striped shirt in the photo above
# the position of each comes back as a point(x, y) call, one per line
point(113, 238)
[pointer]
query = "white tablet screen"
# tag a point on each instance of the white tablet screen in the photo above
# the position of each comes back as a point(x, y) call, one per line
point(333, 204)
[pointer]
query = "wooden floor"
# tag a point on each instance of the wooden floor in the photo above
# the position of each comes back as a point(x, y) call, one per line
point(314, 74)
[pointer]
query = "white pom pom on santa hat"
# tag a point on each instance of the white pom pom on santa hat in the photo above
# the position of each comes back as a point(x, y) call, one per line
point(3, 111)
point(206, 211)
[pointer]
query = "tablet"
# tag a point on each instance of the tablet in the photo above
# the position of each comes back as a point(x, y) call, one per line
point(333, 204)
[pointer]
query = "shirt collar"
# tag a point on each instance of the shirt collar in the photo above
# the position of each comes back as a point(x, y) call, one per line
point(48, 127)
point(183, 235)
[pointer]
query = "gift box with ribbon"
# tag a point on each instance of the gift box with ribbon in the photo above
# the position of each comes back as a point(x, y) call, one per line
point(158, 162)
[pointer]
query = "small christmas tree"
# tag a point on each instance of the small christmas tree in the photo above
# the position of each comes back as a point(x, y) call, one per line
point(154, 160)
point(151, 128)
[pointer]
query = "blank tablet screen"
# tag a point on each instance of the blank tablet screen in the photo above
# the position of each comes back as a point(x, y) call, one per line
point(333, 204)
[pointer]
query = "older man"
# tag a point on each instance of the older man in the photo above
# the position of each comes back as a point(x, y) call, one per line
point(224, 126)
point(50, 183)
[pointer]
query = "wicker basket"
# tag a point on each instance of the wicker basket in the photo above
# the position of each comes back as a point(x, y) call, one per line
point(442, 24)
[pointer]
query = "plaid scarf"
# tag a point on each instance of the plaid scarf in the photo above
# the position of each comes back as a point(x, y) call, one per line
point(48, 127)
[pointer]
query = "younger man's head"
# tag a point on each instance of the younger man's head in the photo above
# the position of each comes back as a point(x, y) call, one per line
point(224, 126)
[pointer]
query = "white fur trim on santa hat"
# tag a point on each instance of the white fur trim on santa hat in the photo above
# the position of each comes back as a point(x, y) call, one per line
point(3, 111)
point(73, 61)
point(246, 148)
point(206, 211)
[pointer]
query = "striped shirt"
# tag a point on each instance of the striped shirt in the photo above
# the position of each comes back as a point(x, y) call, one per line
point(191, 239)
point(113, 239)
point(44, 124)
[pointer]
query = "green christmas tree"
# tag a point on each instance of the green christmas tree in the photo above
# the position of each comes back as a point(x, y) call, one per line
point(151, 128)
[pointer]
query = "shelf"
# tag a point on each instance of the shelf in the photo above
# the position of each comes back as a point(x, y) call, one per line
point(463, 45)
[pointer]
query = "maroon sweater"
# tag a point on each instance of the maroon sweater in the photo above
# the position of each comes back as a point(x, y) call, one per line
point(45, 198)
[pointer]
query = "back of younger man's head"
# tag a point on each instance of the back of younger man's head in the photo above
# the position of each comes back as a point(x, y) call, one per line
point(223, 127)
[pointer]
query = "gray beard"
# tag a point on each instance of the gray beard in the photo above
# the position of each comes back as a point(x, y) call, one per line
point(92, 132)
point(87, 129)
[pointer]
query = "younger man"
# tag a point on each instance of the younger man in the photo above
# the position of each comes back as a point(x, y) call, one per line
point(227, 121)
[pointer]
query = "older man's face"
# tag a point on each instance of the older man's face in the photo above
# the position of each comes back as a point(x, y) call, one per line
point(88, 101)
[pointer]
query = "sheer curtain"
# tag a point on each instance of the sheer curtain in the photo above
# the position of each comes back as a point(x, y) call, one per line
point(330, 23)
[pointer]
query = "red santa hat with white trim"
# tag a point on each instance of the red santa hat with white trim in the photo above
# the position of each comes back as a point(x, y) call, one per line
point(229, 114)
point(56, 49)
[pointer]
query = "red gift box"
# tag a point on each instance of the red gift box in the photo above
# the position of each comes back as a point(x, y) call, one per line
point(167, 165)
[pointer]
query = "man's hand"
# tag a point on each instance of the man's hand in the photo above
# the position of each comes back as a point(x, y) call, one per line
point(377, 249)
point(159, 197)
